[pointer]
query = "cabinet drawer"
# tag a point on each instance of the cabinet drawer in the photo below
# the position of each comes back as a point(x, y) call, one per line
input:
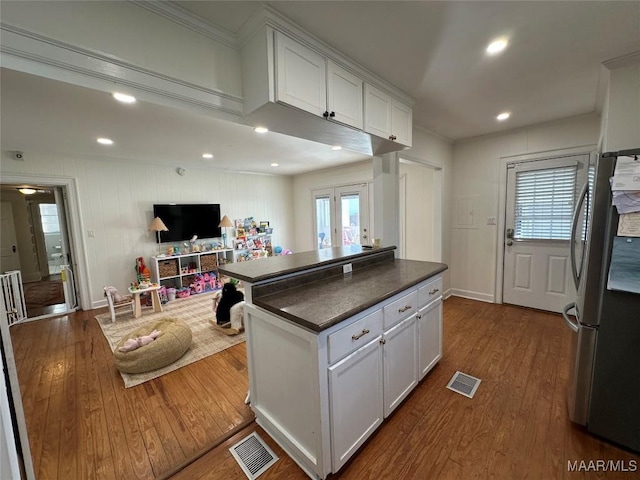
point(429, 292)
point(354, 336)
point(401, 308)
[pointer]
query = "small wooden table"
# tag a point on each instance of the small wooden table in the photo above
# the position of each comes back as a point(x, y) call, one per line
point(155, 299)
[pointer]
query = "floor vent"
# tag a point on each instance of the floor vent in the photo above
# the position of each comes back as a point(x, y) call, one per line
point(253, 455)
point(464, 384)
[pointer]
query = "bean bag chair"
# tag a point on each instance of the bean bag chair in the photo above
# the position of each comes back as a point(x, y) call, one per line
point(172, 343)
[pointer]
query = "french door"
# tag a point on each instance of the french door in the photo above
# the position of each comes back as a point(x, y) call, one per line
point(341, 216)
point(541, 196)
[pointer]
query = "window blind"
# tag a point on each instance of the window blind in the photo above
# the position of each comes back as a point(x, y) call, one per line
point(544, 203)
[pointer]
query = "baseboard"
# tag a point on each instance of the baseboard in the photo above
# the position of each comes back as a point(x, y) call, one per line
point(483, 297)
point(447, 294)
point(32, 277)
point(99, 304)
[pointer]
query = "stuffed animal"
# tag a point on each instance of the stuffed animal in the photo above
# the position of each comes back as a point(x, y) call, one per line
point(228, 298)
point(113, 293)
point(135, 343)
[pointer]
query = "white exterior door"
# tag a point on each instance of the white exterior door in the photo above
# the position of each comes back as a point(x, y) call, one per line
point(541, 197)
point(9, 257)
point(341, 216)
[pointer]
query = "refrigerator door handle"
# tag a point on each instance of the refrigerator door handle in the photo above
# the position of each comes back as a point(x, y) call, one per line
point(574, 229)
point(565, 314)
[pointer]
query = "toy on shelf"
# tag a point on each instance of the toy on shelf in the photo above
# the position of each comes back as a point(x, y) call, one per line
point(142, 272)
point(184, 292)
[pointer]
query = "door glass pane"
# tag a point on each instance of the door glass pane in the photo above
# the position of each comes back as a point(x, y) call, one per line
point(323, 219)
point(350, 219)
point(544, 203)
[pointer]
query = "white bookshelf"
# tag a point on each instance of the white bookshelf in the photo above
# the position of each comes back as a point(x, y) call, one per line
point(177, 271)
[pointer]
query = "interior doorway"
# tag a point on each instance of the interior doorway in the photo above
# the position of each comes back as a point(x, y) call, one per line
point(420, 211)
point(41, 245)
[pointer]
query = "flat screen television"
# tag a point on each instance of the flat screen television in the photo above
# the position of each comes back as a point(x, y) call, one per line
point(186, 220)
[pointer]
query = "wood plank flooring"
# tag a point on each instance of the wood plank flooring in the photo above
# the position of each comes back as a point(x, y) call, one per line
point(515, 427)
point(84, 424)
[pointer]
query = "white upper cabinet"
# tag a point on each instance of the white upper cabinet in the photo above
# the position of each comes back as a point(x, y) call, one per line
point(386, 117)
point(344, 96)
point(300, 76)
point(306, 80)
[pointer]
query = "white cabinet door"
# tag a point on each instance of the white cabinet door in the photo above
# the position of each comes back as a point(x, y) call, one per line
point(355, 393)
point(401, 123)
point(400, 363)
point(300, 76)
point(344, 96)
point(429, 336)
point(377, 112)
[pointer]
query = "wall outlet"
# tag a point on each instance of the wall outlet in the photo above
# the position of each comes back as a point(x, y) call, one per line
point(491, 221)
point(347, 268)
point(91, 233)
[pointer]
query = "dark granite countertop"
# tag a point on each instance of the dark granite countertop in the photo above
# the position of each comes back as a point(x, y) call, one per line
point(323, 303)
point(273, 267)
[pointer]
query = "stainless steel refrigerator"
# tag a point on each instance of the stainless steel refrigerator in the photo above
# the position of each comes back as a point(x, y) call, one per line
point(604, 390)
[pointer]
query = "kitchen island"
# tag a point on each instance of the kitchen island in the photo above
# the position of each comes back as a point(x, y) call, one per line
point(336, 339)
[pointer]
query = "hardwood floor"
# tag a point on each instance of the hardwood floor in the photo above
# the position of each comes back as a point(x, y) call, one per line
point(83, 423)
point(515, 427)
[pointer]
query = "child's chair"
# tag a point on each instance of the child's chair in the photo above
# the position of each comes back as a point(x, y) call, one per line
point(117, 301)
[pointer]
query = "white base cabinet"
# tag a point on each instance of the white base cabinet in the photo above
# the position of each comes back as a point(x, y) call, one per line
point(355, 395)
point(321, 395)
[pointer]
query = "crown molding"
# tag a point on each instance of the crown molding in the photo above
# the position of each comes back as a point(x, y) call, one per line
point(44, 56)
point(174, 12)
point(422, 129)
point(623, 60)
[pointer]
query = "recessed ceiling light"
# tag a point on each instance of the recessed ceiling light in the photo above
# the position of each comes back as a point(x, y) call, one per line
point(336, 147)
point(105, 141)
point(261, 130)
point(503, 116)
point(207, 155)
point(275, 164)
point(124, 98)
point(27, 191)
point(497, 46)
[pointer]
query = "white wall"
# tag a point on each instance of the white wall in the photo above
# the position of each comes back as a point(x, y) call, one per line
point(622, 123)
point(476, 177)
point(116, 202)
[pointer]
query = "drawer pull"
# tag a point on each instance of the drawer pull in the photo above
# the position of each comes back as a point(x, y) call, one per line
point(435, 290)
point(404, 309)
point(359, 335)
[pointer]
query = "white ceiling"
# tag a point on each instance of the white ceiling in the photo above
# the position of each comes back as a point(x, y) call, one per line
point(432, 50)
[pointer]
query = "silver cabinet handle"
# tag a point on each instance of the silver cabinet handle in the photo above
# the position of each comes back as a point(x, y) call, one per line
point(382, 341)
point(359, 335)
point(435, 290)
point(406, 307)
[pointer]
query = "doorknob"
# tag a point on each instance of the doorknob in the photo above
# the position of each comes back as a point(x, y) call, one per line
point(13, 248)
point(510, 233)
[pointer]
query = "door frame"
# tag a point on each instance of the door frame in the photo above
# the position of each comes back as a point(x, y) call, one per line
point(502, 200)
point(74, 224)
point(438, 195)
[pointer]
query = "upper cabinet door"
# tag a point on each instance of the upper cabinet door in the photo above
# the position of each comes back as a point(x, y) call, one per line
point(344, 96)
point(300, 76)
point(377, 112)
point(401, 123)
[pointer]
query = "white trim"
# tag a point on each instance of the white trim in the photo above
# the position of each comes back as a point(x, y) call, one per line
point(178, 14)
point(622, 61)
point(18, 409)
point(431, 132)
point(44, 56)
point(505, 161)
point(402, 217)
point(78, 246)
point(447, 293)
point(482, 297)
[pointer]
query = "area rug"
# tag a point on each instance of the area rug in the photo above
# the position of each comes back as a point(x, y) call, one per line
point(195, 311)
point(43, 294)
